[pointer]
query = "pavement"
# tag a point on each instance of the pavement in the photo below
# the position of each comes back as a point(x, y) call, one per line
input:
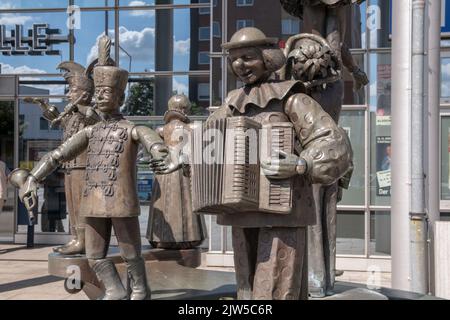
point(24, 275)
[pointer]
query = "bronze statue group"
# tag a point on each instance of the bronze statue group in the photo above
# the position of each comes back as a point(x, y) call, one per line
point(301, 87)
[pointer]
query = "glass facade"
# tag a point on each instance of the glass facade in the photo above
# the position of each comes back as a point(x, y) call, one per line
point(164, 44)
point(174, 46)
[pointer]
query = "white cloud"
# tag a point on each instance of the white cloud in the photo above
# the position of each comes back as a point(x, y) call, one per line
point(140, 13)
point(446, 70)
point(6, 6)
point(182, 47)
point(139, 44)
point(180, 87)
point(13, 19)
point(9, 69)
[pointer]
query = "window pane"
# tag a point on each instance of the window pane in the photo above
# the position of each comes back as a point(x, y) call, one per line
point(445, 80)
point(36, 60)
point(92, 27)
point(350, 233)
point(163, 40)
point(380, 233)
point(353, 124)
point(352, 97)
point(94, 3)
point(25, 4)
point(7, 157)
point(149, 96)
point(380, 136)
point(34, 143)
point(379, 23)
point(445, 158)
point(42, 86)
point(133, 3)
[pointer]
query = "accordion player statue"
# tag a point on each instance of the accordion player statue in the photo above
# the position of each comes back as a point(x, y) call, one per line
point(269, 244)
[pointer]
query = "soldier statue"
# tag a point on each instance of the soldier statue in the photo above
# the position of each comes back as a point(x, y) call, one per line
point(110, 195)
point(328, 18)
point(78, 114)
point(270, 251)
point(313, 62)
point(172, 224)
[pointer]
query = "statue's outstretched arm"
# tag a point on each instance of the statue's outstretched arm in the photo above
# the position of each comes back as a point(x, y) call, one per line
point(67, 151)
point(164, 160)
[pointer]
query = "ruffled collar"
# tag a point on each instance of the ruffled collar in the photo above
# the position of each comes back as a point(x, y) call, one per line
point(261, 94)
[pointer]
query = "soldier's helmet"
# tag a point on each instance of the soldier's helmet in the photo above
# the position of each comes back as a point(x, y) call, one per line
point(105, 71)
point(249, 37)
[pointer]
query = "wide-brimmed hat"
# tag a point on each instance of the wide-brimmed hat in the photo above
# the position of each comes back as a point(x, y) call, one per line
point(249, 37)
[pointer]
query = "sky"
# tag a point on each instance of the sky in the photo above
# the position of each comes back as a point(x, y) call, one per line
point(136, 33)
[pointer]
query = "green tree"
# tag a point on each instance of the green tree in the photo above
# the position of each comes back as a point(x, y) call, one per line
point(140, 99)
point(6, 118)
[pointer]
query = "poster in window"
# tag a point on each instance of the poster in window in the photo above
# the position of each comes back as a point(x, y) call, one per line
point(383, 156)
point(448, 150)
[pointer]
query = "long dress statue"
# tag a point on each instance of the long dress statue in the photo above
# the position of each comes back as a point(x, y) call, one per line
point(172, 224)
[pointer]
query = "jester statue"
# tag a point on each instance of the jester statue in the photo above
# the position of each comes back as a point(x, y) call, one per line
point(109, 198)
point(313, 62)
point(172, 223)
point(77, 115)
point(328, 18)
point(270, 250)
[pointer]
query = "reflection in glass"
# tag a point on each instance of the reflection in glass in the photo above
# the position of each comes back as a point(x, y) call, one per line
point(380, 233)
point(352, 97)
point(350, 233)
point(42, 86)
point(380, 135)
point(7, 157)
point(57, 51)
point(353, 123)
point(34, 143)
point(379, 23)
point(445, 80)
point(445, 158)
point(91, 29)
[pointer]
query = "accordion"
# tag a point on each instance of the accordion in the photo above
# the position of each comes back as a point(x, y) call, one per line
point(225, 166)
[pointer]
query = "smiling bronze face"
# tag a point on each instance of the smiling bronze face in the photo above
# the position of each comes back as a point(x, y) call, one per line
point(248, 64)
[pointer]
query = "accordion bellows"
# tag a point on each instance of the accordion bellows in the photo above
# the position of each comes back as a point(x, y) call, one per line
point(225, 167)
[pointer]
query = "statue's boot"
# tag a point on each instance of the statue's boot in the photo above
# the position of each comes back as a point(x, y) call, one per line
point(138, 279)
point(107, 274)
point(73, 232)
point(76, 247)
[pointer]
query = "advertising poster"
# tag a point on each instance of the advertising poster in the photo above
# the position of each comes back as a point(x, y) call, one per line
point(383, 152)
